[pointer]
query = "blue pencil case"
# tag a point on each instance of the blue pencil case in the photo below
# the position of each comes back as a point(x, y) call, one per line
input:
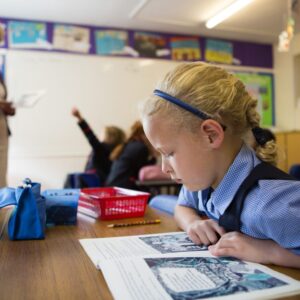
point(61, 206)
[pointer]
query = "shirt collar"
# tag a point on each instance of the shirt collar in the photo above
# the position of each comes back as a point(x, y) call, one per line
point(242, 165)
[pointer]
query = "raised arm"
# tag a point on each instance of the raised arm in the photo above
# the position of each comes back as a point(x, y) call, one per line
point(87, 130)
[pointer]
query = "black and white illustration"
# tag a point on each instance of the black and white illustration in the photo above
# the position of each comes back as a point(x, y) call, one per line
point(187, 278)
point(172, 243)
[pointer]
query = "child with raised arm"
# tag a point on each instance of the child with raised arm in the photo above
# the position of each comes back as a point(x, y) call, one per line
point(199, 118)
point(99, 160)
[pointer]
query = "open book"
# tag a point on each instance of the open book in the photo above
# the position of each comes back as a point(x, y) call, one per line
point(169, 266)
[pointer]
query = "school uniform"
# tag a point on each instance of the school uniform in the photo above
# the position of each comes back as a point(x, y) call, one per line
point(125, 169)
point(98, 160)
point(271, 209)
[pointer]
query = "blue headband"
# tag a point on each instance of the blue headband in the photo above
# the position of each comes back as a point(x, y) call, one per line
point(182, 104)
point(200, 114)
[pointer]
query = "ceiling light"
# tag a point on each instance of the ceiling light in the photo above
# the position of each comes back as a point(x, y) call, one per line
point(226, 13)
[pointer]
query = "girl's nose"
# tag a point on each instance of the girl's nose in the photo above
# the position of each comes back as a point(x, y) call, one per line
point(165, 166)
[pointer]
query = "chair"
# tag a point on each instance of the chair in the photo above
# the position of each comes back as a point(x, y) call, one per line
point(82, 180)
point(154, 181)
point(158, 187)
point(295, 171)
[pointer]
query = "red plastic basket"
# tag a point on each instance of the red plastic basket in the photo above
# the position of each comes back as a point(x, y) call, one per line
point(112, 203)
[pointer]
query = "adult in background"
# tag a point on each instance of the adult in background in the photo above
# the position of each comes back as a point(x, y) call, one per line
point(6, 109)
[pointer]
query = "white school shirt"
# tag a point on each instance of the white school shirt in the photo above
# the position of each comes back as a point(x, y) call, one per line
point(271, 209)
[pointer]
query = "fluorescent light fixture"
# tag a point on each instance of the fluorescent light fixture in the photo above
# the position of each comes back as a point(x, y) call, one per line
point(226, 13)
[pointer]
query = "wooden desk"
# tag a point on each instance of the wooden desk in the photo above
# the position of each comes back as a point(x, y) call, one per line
point(58, 268)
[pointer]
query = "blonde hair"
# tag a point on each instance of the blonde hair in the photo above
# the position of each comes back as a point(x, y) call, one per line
point(114, 135)
point(214, 91)
point(136, 134)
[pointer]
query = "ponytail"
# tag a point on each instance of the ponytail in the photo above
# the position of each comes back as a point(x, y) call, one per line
point(266, 148)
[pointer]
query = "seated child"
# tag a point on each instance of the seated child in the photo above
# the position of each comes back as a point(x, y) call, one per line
point(99, 161)
point(198, 118)
point(129, 158)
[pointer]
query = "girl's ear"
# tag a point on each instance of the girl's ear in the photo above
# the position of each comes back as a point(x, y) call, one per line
point(214, 133)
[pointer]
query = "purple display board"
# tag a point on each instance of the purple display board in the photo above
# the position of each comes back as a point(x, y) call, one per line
point(85, 39)
point(2, 65)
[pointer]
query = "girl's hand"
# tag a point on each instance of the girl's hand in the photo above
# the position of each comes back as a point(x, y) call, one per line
point(204, 231)
point(243, 247)
point(248, 248)
point(76, 113)
point(7, 108)
point(260, 251)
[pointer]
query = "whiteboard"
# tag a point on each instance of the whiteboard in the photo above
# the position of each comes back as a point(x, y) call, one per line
point(105, 89)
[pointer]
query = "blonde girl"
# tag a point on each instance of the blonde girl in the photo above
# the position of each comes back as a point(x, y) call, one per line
point(200, 119)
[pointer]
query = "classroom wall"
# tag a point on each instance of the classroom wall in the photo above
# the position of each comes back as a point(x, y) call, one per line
point(287, 68)
point(46, 142)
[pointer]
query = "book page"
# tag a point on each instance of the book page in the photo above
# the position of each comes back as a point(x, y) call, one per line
point(133, 246)
point(201, 276)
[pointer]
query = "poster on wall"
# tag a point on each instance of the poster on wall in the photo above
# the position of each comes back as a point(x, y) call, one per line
point(111, 42)
point(218, 51)
point(71, 38)
point(185, 48)
point(27, 35)
point(2, 34)
point(151, 45)
point(260, 86)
